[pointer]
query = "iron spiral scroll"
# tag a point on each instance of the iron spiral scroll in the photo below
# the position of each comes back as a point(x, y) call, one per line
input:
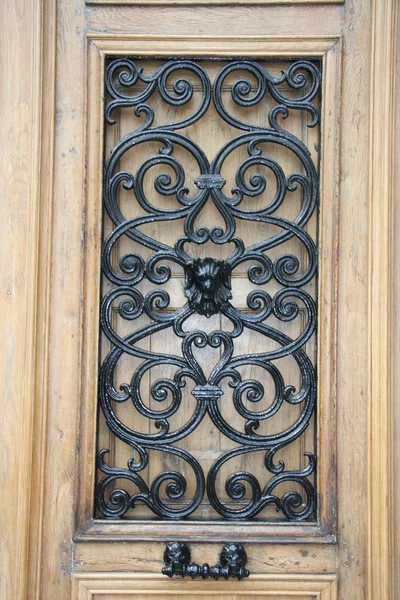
point(208, 287)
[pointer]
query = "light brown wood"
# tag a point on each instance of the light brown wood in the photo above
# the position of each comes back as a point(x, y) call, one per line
point(395, 489)
point(209, 45)
point(352, 435)
point(22, 35)
point(105, 595)
point(381, 172)
point(46, 246)
point(57, 443)
point(303, 557)
point(216, 2)
point(141, 587)
point(44, 267)
point(243, 20)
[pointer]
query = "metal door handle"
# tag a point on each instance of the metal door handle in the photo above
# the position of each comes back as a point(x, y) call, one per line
point(233, 559)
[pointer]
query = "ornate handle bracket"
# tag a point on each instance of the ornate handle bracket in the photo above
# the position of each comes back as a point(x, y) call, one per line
point(233, 559)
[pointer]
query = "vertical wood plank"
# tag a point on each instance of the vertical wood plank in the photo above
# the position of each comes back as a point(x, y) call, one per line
point(48, 74)
point(353, 306)
point(20, 91)
point(64, 340)
point(395, 563)
point(381, 193)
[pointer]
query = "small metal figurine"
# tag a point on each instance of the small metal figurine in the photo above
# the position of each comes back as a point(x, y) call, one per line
point(208, 285)
point(233, 559)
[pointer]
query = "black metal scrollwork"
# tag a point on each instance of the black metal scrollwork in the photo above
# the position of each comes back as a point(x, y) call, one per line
point(208, 288)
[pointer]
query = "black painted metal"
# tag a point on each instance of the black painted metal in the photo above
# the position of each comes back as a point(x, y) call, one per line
point(208, 289)
point(208, 285)
point(233, 559)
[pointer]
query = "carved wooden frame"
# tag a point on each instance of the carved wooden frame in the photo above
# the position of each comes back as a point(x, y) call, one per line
point(328, 48)
point(214, 2)
point(95, 585)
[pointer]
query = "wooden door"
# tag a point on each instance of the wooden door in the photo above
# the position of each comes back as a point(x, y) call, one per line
point(257, 121)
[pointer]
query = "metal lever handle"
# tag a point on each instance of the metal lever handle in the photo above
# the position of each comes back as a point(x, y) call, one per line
point(233, 559)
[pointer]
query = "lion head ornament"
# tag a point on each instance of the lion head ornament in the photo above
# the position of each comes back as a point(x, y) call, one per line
point(176, 554)
point(208, 285)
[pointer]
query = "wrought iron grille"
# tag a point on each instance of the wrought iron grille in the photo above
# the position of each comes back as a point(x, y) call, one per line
point(141, 271)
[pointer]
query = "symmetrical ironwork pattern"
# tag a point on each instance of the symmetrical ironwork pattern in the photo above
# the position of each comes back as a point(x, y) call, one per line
point(208, 286)
point(233, 559)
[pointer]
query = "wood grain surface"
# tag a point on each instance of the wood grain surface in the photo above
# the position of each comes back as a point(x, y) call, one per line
point(49, 265)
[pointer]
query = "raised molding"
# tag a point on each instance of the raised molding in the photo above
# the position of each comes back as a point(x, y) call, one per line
point(329, 49)
point(215, 2)
point(381, 279)
point(208, 45)
point(92, 586)
point(24, 210)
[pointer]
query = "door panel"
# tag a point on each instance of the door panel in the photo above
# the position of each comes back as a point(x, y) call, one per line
point(278, 587)
point(216, 596)
point(329, 50)
point(76, 554)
